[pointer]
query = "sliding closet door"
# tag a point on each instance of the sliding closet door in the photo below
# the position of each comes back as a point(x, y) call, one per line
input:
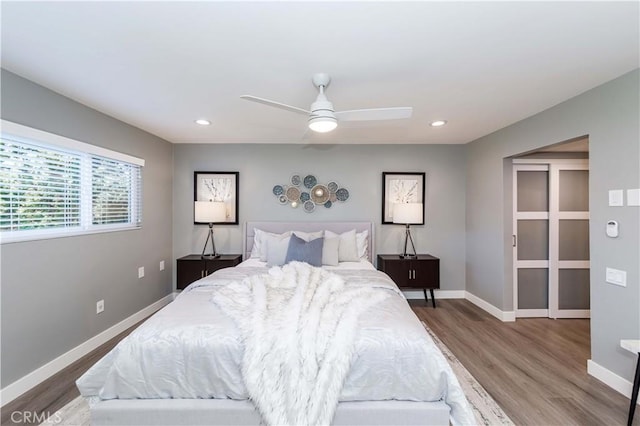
point(551, 240)
point(569, 287)
point(531, 240)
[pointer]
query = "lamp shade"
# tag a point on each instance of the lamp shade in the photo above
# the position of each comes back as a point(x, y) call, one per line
point(407, 213)
point(210, 211)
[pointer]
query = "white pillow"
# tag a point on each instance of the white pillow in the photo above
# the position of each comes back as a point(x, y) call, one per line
point(308, 236)
point(259, 238)
point(330, 247)
point(267, 239)
point(348, 249)
point(276, 251)
point(362, 241)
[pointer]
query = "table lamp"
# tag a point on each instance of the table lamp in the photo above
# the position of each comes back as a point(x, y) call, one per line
point(210, 211)
point(407, 214)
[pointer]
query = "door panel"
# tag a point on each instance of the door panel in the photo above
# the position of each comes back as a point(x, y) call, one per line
point(533, 195)
point(533, 288)
point(573, 236)
point(533, 240)
point(531, 245)
point(574, 190)
point(573, 289)
point(398, 271)
point(569, 241)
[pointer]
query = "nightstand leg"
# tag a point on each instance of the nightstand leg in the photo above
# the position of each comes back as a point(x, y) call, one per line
point(433, 298)
point(426, 299)
point(634, 393)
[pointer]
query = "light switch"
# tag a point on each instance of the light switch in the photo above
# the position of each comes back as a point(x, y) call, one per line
point(616, 198)
point(617, 277)
point(633, 197)
point(141, 272)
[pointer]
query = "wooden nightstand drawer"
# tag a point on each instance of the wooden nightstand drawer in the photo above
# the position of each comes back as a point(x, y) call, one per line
point(192, 267)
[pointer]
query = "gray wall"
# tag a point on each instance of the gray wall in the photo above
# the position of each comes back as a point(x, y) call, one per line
point(609, 115)
point(50, 287)
point(357, 167)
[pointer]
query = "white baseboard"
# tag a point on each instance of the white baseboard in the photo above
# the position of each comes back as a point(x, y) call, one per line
point(505, 316)
point(532, 313)
point(439, 294)
point(22, 385)
point(610, 378)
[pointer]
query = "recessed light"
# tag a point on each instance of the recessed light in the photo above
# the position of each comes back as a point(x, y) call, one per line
point(438, 123)
point(203, 122)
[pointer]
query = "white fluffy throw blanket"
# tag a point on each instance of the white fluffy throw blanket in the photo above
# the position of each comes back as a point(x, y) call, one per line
point(299, 325)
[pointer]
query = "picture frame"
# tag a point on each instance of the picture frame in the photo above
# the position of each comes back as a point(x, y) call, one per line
point(218, 186)
point(401, 187)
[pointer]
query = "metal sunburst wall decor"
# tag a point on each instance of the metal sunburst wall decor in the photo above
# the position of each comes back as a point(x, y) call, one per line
point(308, 193)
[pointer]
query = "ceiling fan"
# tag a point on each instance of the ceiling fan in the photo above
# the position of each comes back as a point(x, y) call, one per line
point(323, 118)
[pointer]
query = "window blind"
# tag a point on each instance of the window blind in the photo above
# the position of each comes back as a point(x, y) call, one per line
point(49, 191)
point(40, 187)
point(115, 192)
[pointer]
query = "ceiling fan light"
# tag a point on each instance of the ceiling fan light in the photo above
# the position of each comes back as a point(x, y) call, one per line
point(323, 124)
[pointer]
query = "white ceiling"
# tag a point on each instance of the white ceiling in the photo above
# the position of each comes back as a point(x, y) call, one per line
point(161, 65)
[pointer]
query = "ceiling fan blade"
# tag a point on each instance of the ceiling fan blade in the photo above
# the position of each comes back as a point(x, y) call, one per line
point(396, 113)
point(275, 104)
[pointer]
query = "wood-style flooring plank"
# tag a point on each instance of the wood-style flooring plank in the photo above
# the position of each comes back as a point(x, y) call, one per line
point(535, 368)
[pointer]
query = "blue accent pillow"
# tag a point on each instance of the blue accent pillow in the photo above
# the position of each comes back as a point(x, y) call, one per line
point(302, 251)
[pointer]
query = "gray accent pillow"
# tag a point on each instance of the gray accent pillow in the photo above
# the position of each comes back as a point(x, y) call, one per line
point(302, 251)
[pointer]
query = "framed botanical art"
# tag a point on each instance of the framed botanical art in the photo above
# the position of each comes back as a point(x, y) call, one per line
point(218, 186)
point(401, 187)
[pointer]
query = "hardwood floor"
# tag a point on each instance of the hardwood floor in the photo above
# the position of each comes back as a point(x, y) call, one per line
point(55, 392)
point(535, 368)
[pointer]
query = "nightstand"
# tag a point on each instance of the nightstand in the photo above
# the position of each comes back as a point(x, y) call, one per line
point(192, 267)
point(421, 271)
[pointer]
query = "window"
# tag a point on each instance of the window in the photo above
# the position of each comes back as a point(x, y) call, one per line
point(53, 186)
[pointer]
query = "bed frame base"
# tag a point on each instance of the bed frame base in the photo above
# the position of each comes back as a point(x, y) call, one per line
point(243, 413)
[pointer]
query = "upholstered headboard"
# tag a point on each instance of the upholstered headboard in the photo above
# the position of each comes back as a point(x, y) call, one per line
point(280, 227)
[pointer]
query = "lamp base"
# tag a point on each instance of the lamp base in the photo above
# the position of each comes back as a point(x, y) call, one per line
point(214, 254)
point(210, 256)
point(407, 256)
point(407, 238)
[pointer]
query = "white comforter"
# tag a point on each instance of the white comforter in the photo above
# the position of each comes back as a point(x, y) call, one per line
point(191, 349)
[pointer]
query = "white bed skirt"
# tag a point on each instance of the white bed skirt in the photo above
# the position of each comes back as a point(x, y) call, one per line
point(232, 412)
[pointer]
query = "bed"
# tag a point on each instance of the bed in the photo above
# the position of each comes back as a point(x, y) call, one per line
point(184, 365)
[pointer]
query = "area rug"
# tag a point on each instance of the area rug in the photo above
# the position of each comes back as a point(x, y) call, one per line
point(485, 409)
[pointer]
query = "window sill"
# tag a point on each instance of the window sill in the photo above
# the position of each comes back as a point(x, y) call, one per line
point(7, 238)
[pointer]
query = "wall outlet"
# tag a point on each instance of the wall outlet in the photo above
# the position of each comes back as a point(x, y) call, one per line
point(162, 265)
point(100, 306)
point(141, 272)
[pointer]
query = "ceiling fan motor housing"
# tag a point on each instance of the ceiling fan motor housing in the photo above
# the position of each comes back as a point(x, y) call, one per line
point(322, 118)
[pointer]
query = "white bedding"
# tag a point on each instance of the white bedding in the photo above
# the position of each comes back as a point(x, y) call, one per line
point(190, 349)
point(361, 265)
